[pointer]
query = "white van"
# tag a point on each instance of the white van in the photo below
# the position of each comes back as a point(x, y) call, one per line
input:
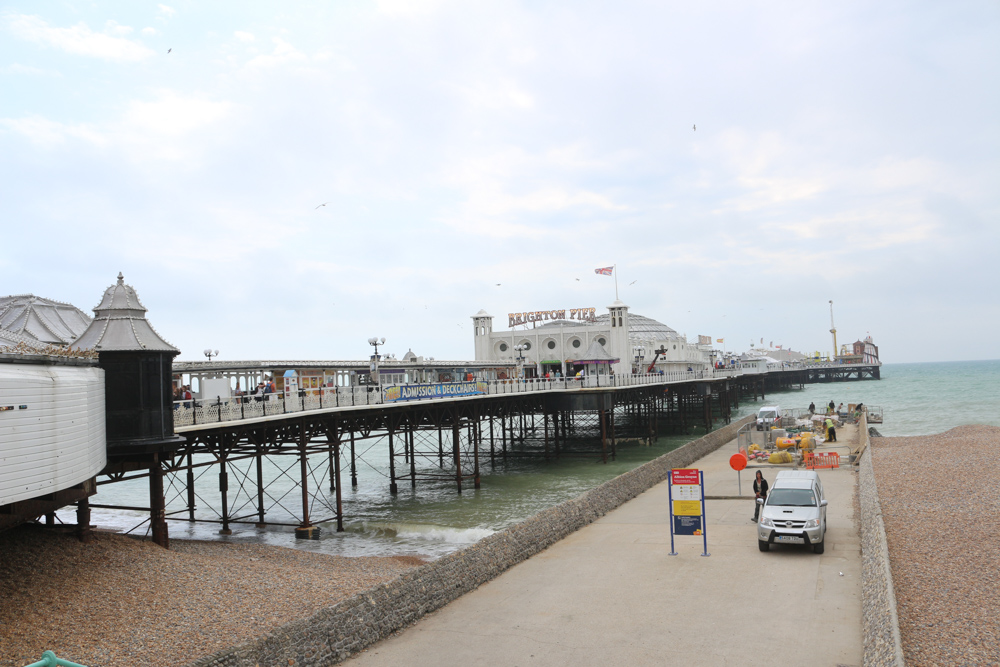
point(794, 511)
point(767, 417)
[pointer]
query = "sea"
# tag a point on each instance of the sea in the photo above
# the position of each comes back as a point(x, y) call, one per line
point(434, 520)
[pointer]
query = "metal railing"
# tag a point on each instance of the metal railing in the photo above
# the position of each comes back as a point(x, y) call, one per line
point(49, 659)
point(195, 411)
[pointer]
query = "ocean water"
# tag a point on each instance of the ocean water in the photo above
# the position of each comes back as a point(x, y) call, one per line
point(433, 520)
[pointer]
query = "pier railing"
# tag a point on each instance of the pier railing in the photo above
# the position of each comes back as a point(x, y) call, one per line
point(193, 411)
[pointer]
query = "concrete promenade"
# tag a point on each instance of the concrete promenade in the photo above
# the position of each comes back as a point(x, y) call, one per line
point(609, 594)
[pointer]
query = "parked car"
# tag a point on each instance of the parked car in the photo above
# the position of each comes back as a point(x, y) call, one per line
point(794, 511)
point(767, 417)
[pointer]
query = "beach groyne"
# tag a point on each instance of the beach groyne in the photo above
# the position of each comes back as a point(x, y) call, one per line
point(883, 646)
point(334, 633)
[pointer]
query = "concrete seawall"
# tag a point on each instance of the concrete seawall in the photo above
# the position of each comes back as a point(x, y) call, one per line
point(880, 627)
point(333, 634)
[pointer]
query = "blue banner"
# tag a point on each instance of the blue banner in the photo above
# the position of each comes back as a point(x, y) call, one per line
point(687, 525)
point(413, 392)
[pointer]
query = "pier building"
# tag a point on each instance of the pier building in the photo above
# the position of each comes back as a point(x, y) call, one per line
point(556, 342)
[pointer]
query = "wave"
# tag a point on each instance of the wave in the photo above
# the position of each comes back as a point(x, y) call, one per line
point(426, 532)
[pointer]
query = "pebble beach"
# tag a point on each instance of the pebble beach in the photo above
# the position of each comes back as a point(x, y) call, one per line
point(941, 508)
point(121, 601)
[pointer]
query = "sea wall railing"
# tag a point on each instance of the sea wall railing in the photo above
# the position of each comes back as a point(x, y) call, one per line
point(193, 411)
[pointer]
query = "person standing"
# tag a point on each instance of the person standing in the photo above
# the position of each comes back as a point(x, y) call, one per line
point(812, 408)
point(759, 491)
point(830, 408)
point(831, 432)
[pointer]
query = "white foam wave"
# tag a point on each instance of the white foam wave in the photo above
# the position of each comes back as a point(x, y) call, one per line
point(429, 532)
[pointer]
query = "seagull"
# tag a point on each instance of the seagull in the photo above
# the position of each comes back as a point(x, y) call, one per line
point(577, 280)
point(498, 284)
point(322, 205)
point(634, 281)
point(169, 50)
point(694, 127)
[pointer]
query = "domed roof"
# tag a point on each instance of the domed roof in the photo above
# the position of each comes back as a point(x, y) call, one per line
point(43, 320)
point(643, 328)
point(120, 324)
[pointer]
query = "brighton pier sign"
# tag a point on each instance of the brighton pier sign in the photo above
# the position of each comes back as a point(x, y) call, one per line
point(581, 314)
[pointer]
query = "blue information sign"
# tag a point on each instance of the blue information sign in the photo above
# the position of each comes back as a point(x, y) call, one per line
point(687, 525)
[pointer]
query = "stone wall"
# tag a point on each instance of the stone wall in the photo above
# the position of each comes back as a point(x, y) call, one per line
point(880, 625)
point(334, 633)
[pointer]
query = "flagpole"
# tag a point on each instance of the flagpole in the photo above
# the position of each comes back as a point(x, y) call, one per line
point(614, 269)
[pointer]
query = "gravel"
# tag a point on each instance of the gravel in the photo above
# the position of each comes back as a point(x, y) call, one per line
point(941, 508)
point(122, 601)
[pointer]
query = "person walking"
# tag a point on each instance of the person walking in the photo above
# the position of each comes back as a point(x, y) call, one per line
point(812, 408)
point(831, 432)
point(759, 491)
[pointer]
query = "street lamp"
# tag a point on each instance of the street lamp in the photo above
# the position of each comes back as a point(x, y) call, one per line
point(373, 367)
point(640, 354)
point(520, 359)
point(211, 353)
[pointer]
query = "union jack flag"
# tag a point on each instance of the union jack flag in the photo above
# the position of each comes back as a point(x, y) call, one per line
point(606, 271)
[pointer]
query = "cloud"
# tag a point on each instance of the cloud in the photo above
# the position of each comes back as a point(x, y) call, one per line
point(244, 36)
point(166, 12)
point(173, 115)
point(79, 39)
point(28, 70)
point(149, 31)
point(47, 133)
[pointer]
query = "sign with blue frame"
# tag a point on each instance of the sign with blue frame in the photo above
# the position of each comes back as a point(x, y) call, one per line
point(687, 506)
point(411, 392)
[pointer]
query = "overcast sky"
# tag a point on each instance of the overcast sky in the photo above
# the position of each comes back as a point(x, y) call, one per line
point(493, 155)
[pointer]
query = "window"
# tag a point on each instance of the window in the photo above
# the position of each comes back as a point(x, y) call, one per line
point(576, 342)
point(527, 345)
point(551, 345)
point(602, 341)
point(503, 347)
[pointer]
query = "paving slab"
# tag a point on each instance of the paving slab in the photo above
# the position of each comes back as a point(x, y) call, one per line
point(610, 594)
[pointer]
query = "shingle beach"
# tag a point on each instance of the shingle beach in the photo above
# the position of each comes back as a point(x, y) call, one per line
point(120, 601)
point(940, 498)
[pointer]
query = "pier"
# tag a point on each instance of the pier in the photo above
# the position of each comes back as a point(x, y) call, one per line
point(316, 439)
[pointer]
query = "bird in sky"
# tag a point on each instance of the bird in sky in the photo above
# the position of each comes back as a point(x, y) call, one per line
point(322, 205)
point(634, 281)
point(694, 128)
point(169, 50)
point(498, 284)
point(577, 280)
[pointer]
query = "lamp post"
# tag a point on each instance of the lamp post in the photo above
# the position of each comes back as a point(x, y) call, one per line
point(520, 359)
point(211, 353)
point(640, 354)
point(375, 342)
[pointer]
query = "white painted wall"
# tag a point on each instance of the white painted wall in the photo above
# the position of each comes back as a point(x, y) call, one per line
point(59, 439)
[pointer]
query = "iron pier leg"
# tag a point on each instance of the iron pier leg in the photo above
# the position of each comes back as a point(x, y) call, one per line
point(82, 520)
point(555, 430)
point(440, 447)
point(224, 491)
point(503, 433)
point(545, 441)
point(336, 472)
point(456, 436)
point(477, 432)
point(157, 505)
point(190, 486)
point(413, 451)
point(259, 462)
point(393, 489)
point(493, 459)
point(604, 438)
point(354, 467)
point(305, 530)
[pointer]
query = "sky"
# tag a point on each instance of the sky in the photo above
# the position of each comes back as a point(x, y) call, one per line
point(287, 180)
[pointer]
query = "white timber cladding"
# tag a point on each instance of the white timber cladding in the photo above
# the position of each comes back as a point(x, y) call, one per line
point(58, 440)
point(564, 341)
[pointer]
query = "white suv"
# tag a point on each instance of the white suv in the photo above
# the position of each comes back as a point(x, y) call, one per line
point(794, 512)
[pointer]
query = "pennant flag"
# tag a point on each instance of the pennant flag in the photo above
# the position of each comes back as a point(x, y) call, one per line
point(606, 271)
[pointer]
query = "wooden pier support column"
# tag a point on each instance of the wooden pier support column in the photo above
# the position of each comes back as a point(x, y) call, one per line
point(305, 530)
point(157, 505)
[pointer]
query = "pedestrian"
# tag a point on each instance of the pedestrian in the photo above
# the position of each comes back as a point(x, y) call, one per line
point(759, 491)
point(840, 409)
point(812, 409)
point(831, 432)
point(187, 396)
point(830, 408)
